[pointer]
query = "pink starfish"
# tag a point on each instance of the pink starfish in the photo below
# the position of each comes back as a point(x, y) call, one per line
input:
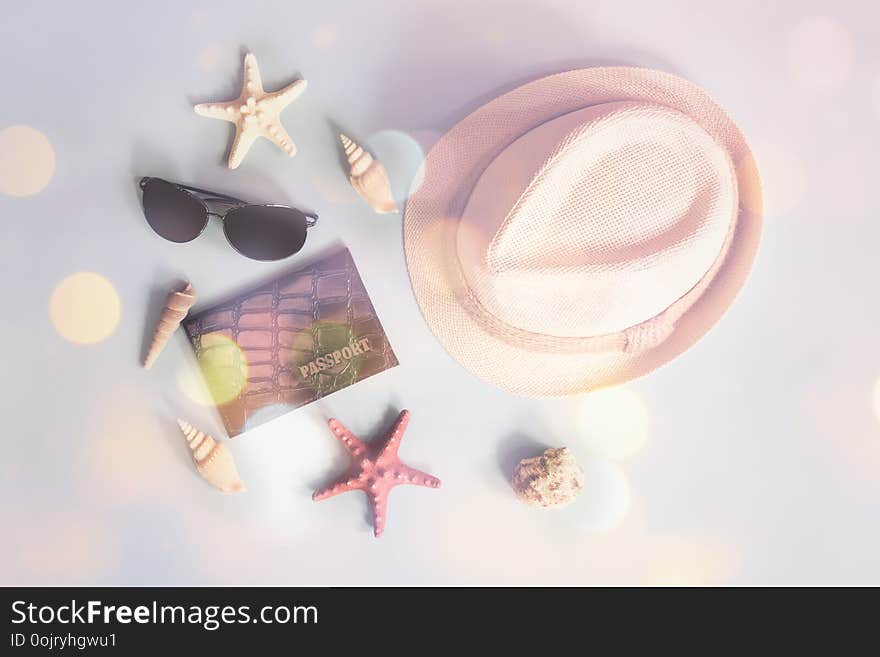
point(376, 472)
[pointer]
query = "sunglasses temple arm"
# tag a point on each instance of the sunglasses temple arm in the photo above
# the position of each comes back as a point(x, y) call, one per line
point(311, 218)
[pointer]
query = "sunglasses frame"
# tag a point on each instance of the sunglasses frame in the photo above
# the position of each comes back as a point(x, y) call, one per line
point(204, 197)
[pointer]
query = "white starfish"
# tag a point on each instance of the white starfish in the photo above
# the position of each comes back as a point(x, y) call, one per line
point(255, 113)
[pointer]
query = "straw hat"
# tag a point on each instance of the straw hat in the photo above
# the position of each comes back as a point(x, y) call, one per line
point(582, 229)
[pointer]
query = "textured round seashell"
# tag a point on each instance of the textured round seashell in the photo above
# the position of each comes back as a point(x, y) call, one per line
point(551, 480)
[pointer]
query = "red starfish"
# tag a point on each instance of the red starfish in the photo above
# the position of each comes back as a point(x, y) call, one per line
point(376, 475)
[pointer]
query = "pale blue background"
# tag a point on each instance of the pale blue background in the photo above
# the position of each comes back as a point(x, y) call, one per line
point(763, 461)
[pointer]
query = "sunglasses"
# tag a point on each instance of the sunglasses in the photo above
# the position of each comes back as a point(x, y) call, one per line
point(179, 213)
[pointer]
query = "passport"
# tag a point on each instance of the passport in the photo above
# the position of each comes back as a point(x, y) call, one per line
point(289, 342)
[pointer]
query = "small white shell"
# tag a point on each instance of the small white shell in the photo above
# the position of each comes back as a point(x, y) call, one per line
point(177, 305)
point(213, 460)
point(368, 177)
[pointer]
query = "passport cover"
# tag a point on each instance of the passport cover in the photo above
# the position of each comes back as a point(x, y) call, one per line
point(289, 342)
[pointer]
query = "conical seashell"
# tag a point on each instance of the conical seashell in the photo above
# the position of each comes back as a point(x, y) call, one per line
point(177, 305)
point(213, 460)
point(368, 177)
point(550, 480)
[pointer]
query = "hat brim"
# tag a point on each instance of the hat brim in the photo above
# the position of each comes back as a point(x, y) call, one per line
point(452, 168)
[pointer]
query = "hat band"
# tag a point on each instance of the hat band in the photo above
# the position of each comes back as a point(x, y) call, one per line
point(633, 339)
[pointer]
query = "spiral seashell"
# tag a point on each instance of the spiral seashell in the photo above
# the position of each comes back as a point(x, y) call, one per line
point(551, 480)
point(213, 460)
point(368, 177)
point(177, 305)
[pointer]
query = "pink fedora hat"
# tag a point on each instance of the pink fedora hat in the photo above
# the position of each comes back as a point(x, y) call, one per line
point(582, 229)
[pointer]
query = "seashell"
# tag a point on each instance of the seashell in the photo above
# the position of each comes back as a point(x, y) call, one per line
point(177, 305)
point(551, 480)
point(368, 177)
point(213, 460)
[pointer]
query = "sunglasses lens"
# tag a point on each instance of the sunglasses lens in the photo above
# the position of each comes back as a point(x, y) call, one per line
point(172, 213)
point(265, 233)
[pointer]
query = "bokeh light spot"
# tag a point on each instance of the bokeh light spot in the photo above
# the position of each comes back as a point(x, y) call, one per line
point(404, 159)
point(426, 138)
point(224, 371)
point(876, 397)
point(329, 352)
point(124, 443)
point(606, 497)
point(691, 561)
point(85, 308)
point(27, 161)
point(53, 545)
point(876, 95)
point(613, 422)
point(820, 53)
point(324, 36)
point(191, 383)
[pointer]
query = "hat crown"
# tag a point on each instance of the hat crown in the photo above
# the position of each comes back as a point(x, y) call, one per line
point(598, 220)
